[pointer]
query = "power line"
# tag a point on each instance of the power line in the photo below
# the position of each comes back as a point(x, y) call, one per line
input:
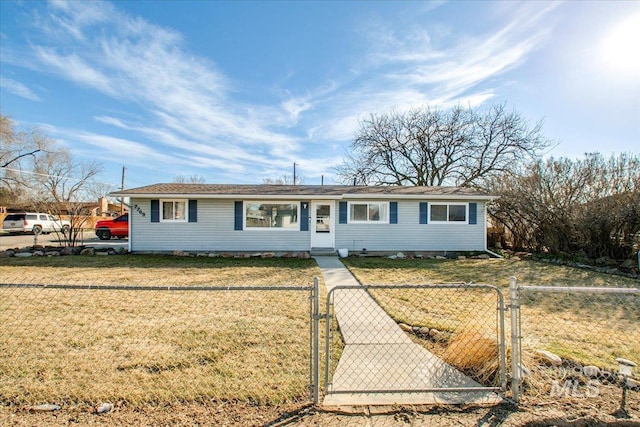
point(57, 176)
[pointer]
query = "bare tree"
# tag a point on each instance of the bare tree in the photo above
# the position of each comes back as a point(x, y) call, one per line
point(440, 147)
point(193, 179)
point(563, 206)
point(283, 180)
point(63, 185)
point(17, 152)
point(46, 178)
point(97, 190)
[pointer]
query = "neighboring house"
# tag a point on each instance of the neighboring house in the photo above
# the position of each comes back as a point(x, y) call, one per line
point(248, 218)
point(85, 213)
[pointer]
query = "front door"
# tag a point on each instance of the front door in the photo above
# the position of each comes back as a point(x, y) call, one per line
point(322, 224)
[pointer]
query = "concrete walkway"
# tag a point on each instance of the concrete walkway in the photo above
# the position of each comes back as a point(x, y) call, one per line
point(380, 365)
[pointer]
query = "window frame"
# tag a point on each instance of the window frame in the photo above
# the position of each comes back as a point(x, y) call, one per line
point(294, 227)
point(185, 212)
point(387, 208)
point(448, 205)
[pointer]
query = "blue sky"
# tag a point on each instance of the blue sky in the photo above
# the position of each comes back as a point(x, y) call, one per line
point(236, 92)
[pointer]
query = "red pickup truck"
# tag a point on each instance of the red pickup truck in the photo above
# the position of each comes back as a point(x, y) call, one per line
point(116, 227)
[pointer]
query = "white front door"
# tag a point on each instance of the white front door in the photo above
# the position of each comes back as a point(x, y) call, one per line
point(322, 224)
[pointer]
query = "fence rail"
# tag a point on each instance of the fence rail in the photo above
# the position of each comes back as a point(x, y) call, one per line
point(569, 341)
point(83, 344)
point(78, 343)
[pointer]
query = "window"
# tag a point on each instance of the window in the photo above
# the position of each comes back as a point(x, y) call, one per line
point(283, 215)
point(173, 210)
point(448, 213)
point(457, 213)
point(15, 217)
point(369, 212)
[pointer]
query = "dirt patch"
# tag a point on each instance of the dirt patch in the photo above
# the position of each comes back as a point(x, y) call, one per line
point(532, 411)
point(216, 413)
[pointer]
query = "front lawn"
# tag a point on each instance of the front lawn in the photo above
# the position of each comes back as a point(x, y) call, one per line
point(585, 328)
point(133, 347)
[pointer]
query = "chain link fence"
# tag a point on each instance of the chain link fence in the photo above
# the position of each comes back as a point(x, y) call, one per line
point(417, 339)
point(576, 343)
point(76, 344)
point(69, 343)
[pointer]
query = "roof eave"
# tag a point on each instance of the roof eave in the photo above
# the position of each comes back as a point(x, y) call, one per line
point(421, 196)
point(307, 196)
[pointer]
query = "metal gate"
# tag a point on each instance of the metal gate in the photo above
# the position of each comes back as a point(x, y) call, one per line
point(440, 343)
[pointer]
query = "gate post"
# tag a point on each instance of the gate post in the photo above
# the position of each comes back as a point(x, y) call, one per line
point(316, 341)
point(514, 304)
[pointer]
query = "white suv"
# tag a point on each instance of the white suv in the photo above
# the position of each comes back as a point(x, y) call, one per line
point(36, 223)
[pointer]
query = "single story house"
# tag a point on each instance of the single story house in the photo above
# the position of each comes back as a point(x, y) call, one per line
point(258, 218)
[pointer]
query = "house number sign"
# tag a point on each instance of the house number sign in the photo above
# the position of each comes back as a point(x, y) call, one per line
point(139, 210)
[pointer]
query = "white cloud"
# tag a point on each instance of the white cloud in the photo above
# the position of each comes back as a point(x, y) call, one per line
point(187, 105)
point(75, 68)
point(404, 69)
point(190, 112)
point(18, 89)
point(137, 153)
point(294, 106)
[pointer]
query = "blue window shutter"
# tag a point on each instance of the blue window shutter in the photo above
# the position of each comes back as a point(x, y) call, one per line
point(342, 214)
point(304, 216)
point(155, 210)
point(193, 211)
point(424, 210)
point(238, 216)
point(473, 213)
point(393, 212)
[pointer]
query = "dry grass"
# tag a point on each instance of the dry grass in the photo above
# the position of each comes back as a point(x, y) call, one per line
point(134, 347)
point(491, 271)
point(590, 329)
point(474, 353)
point(144, 270)
point(450, 310)
point(150, 346)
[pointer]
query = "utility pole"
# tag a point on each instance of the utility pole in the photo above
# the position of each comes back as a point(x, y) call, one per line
point(294, 173)
point(122, 189)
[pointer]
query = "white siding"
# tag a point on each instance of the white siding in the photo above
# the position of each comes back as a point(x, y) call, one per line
point(409, 235)
point(214, 231)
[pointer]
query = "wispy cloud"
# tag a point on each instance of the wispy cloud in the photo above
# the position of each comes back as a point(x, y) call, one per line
point(75, 68)
point(18, 89)
point(407, 67)
point(187, 102)
point(187, 109)
point(137, 153)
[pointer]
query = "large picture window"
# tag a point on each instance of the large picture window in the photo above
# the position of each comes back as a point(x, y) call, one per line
point(369, 212)
point(174, 210)
point(448, 213)
point(281, 215)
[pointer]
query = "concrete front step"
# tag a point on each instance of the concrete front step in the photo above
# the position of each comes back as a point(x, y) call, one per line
point(323, 252)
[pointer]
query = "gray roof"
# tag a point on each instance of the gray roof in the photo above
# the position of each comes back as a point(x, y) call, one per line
point(299, 191)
